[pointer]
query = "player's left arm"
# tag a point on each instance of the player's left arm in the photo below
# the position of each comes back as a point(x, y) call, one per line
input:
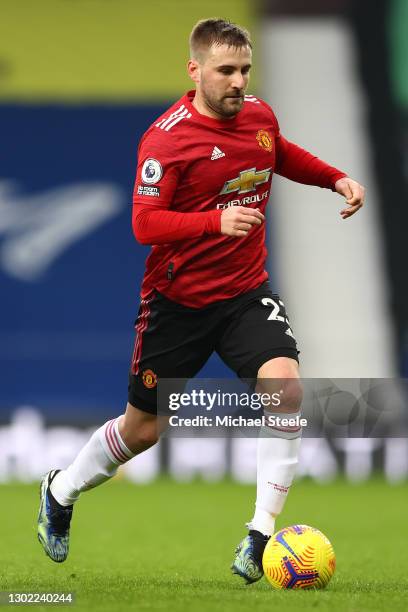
point(354, 194)
point(299, 165)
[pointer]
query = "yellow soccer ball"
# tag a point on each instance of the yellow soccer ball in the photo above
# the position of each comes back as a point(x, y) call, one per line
point(299, 557)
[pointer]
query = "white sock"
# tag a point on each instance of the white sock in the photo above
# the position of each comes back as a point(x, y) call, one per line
point(276, 467)
point(95, 463)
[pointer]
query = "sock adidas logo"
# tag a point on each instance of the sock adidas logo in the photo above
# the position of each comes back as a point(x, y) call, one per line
point(217, 153)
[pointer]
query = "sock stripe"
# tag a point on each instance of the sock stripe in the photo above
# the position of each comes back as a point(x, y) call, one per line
point(116, 442)
point(289, 429)
point(114, 447)
point(119, 440)
point(284, 431)
point(110, 443)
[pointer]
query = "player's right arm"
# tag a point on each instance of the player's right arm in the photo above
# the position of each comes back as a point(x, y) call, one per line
point(238, 220)
point(158, 176)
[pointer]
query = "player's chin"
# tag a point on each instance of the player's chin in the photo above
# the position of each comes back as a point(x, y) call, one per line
point(232, 106)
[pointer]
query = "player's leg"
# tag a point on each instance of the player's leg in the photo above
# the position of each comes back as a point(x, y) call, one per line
point(172, 341)
point(112, 445)
point(277, 459)
point(278, 446)
point(259, 344)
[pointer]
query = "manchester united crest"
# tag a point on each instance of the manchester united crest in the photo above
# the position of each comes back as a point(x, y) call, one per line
point(149, 379)
point(265, 140)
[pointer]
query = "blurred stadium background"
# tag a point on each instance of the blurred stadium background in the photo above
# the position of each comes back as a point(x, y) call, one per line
point(80, 81)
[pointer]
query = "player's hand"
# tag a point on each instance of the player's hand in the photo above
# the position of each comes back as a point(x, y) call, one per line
point(354, 194)
point(238, 220)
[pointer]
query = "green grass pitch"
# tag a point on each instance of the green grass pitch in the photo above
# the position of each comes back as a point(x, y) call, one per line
point(168, 546)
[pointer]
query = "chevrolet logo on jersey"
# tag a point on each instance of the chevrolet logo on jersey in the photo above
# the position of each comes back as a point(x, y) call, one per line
point(248, 180)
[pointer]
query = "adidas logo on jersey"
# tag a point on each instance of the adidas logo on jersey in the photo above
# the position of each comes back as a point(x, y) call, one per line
point(217, 153)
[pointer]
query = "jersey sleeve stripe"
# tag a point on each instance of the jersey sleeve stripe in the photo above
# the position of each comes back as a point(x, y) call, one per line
point(171, 120)
point(177, 120)
point(166, 120)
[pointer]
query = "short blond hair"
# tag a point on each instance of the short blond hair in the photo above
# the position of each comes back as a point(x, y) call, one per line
point(208, 32)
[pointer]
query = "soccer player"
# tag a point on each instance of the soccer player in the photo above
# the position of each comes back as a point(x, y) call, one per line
point(202, 185)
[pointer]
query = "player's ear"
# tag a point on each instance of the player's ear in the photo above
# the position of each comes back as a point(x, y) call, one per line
point(193, 69)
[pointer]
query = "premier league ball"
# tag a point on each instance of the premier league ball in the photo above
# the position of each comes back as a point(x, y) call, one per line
point(299, 557)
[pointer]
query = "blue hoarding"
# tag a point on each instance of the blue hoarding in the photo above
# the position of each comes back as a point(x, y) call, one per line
point(70, 268)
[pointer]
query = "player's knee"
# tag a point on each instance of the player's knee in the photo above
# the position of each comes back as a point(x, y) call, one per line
point(291, 394)
point(280, 379)
point(286, 397)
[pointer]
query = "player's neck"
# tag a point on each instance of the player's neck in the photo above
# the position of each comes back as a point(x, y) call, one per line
point(202, 108)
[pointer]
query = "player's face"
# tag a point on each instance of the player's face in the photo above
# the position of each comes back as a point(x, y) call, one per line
point(222, 79)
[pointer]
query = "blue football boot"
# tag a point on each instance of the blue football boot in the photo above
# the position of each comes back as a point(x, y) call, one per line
point(248, 560)
point(53, 522)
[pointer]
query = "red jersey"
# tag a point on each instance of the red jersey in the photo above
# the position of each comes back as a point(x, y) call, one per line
point(190, 168)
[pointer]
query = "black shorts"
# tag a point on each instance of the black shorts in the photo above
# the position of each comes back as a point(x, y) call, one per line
point(175, 341)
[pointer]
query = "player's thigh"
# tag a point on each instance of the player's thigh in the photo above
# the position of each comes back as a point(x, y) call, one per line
point(256, 333)
point(172, 342)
